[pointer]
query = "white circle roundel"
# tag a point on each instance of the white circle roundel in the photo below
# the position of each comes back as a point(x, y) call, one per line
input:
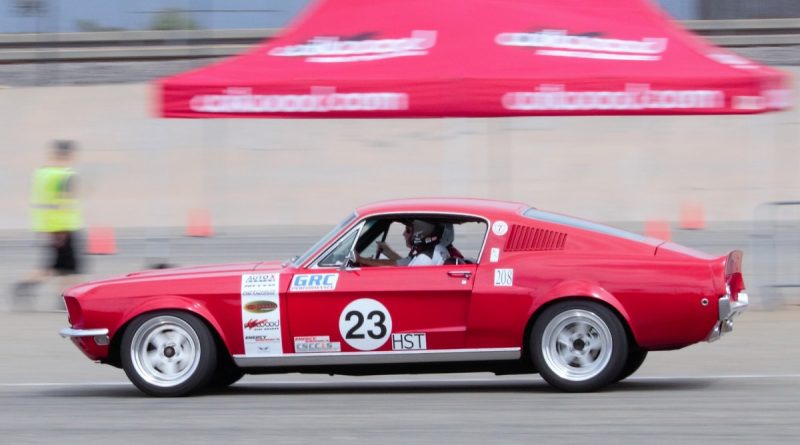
point(500, 228)
point(365, 324)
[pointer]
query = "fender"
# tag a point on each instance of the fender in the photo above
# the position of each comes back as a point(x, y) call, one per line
point(587, 289)
point(173, 302)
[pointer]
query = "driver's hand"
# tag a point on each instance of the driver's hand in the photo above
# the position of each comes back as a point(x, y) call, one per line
point(382, 245)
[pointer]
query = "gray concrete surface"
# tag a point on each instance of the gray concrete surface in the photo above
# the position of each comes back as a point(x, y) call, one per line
point(741, 389)
point(139, 171)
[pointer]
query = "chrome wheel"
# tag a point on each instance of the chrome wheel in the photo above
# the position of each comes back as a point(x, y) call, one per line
point(165, 351)
point(168, 353)
point(578, 345)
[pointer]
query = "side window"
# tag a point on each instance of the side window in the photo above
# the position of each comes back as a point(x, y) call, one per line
point(338, 255)
point(468, 239)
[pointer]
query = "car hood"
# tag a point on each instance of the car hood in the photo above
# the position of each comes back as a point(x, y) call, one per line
point(179, 273)
point(211, 268)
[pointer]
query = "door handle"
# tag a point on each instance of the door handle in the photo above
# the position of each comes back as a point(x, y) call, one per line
point(459, 273)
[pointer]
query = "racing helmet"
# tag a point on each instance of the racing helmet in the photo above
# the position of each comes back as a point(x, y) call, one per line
point(424, 233)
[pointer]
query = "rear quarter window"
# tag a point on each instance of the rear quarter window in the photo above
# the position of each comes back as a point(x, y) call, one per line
point(578, 223)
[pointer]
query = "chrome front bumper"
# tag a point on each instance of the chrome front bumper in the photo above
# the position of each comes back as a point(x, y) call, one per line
point(100, 336)
point(727, 310)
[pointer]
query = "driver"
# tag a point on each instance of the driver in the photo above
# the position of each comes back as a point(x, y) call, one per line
point(422, 237)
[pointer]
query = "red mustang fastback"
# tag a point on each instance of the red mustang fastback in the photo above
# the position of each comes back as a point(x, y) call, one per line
point(417, 286)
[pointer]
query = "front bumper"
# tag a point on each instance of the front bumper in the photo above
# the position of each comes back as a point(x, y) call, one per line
point(100, 336)
point(93, 343)
point(727, 310)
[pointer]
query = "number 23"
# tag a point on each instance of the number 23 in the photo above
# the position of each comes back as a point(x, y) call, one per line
point(378, 328)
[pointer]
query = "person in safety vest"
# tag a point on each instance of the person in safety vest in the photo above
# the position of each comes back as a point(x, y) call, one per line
point(56, 216)
point(422, 237)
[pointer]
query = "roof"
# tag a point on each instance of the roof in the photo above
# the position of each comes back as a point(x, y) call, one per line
point(469, 206)
point(423, 58)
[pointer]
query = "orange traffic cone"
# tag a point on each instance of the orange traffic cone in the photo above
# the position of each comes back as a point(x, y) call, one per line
point(657, 229)
point(101, 241)
point(693, 216)
point(199, 223)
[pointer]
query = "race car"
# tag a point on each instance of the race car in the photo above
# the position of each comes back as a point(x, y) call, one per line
point(485, 286)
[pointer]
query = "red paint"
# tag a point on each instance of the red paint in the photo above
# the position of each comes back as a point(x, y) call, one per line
point(655, 287)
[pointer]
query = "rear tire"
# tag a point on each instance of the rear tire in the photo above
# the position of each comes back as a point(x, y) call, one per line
point(168, 354)
point(635, 359)
point(578, 346)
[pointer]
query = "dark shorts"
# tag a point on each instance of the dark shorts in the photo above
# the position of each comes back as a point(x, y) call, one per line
point(64, 260)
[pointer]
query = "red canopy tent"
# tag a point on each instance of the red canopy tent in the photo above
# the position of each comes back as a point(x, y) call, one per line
point(470, 58)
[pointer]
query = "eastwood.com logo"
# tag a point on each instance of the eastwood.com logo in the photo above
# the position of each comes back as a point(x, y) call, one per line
point(558, 42)
point(358, 48)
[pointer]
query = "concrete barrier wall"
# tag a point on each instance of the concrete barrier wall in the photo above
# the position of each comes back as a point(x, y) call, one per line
point(139, 171)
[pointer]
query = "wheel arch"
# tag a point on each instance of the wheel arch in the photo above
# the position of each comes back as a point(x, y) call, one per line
point(612, 304)
point(163, 304)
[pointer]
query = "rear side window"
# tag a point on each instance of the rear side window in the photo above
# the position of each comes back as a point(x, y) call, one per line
point(582, 224)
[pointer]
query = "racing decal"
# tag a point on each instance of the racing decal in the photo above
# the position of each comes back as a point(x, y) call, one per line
point(358, 48)
point(404, 342)
point(261, 315)
point(499, 228)
point(365, 324)
point(504, 277)
point(559, 43)
point(319, 343)
point(314, 282)
point(494, 255)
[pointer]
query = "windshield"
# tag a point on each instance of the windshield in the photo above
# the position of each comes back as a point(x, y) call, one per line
point(324, 240)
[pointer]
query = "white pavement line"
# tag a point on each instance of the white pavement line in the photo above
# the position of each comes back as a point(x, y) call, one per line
point(42, 384)
point(724, 376)
point(418, 381)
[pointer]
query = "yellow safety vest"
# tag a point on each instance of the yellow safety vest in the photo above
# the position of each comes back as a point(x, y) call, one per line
point(52, 209)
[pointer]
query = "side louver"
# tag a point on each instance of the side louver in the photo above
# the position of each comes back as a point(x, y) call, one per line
point(530, 238)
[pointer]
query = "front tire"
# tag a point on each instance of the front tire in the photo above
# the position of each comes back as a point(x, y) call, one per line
point(578, 346)
point(168, 354)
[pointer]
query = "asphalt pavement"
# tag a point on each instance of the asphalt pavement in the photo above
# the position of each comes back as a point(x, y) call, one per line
point(744, 388)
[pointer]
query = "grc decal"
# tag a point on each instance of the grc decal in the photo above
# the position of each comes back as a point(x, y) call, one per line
point(634, 97)
point(320, 100)
point(314, 282)
point(558, 42)
point(357, 49)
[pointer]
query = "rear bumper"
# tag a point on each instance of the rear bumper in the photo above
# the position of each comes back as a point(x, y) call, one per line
point(727, 310)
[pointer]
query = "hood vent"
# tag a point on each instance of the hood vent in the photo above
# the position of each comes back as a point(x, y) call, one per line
point(531, 238)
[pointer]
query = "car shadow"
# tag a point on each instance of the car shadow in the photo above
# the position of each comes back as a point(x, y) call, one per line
point(243, 389)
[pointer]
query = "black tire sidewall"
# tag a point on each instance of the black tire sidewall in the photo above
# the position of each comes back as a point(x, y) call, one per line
point(207, 362)
point(619, 349)
point(636, 357)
